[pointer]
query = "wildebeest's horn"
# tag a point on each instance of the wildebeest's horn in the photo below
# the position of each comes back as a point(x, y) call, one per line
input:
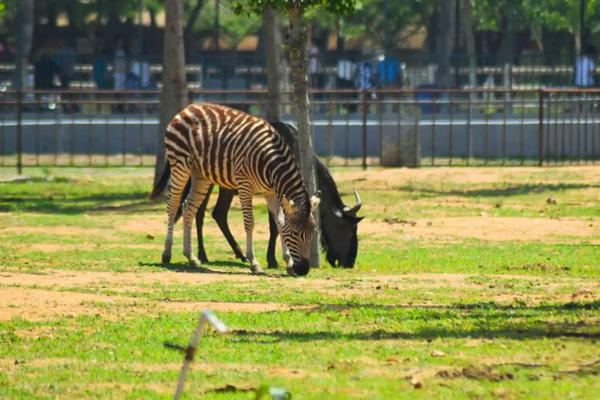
point(352, 211)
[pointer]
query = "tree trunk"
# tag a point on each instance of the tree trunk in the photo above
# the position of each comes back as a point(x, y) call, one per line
point(445, 43)
point(298, 66)
point(51, 14)
point(467, 19)
point(152, 13)
point(189, 26)
point(24, 28)
point(272, 35)
point(173, 96)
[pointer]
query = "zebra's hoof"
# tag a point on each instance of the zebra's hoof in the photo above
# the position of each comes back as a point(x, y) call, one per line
point(273, 265)
point(257, 270)
point(194, 263)
point(290, 271)
point(166, 258)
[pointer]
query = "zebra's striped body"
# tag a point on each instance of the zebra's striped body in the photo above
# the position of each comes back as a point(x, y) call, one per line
point(210, 143)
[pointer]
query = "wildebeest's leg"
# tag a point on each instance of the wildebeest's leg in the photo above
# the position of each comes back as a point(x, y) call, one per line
point(192, 202)
point(220, 213)
point(273, 233)
point(245, 192)
point(179, 177)
point(200, 224)
point(277, 214)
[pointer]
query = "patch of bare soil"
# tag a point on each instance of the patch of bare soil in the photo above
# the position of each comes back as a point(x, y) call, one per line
point(484, 228)
point(39, 304)
point(465, 175)
point(62, 230)
point(56, 247)
point(139, 367)
point(63, 293)
point(473, 372)
point(66, 278)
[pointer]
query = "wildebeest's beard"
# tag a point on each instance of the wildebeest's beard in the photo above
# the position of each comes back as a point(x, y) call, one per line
point(341, 244)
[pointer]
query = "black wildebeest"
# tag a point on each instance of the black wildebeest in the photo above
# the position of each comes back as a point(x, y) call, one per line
point(338, 222)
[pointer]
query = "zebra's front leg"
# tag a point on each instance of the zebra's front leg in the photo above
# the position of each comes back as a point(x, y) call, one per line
point(194, 199)
point(276, 213)
point(245, 194)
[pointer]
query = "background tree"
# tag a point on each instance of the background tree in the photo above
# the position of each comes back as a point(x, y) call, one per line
point(24, 29)
point(466, 12)
point(193, 15)
point(272, 35)
point(445, 42)
point(173, 96)
point(296, 46)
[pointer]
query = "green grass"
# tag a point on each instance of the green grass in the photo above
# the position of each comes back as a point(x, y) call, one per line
point(444, 302)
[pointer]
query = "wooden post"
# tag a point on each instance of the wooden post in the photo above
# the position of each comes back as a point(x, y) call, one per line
point(540, 127)
point(365, 110)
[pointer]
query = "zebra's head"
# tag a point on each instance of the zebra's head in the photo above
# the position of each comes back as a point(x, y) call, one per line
point(298, 230)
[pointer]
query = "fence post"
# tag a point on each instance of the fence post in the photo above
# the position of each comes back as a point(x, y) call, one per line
point(19, 131)
point(540, 127)
point(365, 110)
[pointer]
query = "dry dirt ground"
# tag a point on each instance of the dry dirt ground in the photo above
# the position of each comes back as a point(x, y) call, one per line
point(55, 293)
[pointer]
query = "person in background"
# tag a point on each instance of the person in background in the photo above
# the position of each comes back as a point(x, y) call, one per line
point(65, 63)
point(119, 63)
point(314, 66)
point(584, 68)
point(364, 75)
point(64, 60)
point(44, 67)
point(388, 71)
point(101, 75)
point(345, 73)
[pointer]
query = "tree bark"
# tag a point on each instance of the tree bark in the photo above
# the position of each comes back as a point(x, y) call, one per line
point(445, 43)
point(189, 25)
point(469, 34)
point(272, 34)
point(152, 13)
point(298, 66)
point(173, 96)
point(24, 28)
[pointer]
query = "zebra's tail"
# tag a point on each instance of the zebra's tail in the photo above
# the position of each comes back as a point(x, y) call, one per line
point(161, 185)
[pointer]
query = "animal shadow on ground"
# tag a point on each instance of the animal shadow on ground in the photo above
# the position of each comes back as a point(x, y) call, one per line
point(511, 189)
point(484, 320)
point(205, 269)
point(62, 204)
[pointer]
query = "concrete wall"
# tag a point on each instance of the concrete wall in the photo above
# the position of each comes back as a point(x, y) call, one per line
point(484, 138)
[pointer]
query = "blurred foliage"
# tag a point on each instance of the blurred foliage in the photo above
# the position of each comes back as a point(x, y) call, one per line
point(332, 6)
point(357, 18)
point(233, 28)
point(553, 15)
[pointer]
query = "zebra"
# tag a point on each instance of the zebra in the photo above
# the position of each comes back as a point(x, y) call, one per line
point(338, 222)
point(214, 144)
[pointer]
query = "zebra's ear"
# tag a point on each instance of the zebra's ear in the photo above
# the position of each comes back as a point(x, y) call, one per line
point(288, 206)
point(315, 200)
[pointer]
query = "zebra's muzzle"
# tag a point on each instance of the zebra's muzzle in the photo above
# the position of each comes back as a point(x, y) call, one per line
point(301, 268)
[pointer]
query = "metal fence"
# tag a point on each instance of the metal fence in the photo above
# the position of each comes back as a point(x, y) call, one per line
point(448, 127)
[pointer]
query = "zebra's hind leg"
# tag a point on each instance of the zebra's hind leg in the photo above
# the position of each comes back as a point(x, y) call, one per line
point(195, 197)
point(179, 177)
point(245, 193)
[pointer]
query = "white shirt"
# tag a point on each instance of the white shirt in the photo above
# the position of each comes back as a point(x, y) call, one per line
point(345, 70)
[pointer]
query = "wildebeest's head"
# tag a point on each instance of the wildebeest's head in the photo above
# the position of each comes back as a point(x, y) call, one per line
point(338, 232)
point(338, 222)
